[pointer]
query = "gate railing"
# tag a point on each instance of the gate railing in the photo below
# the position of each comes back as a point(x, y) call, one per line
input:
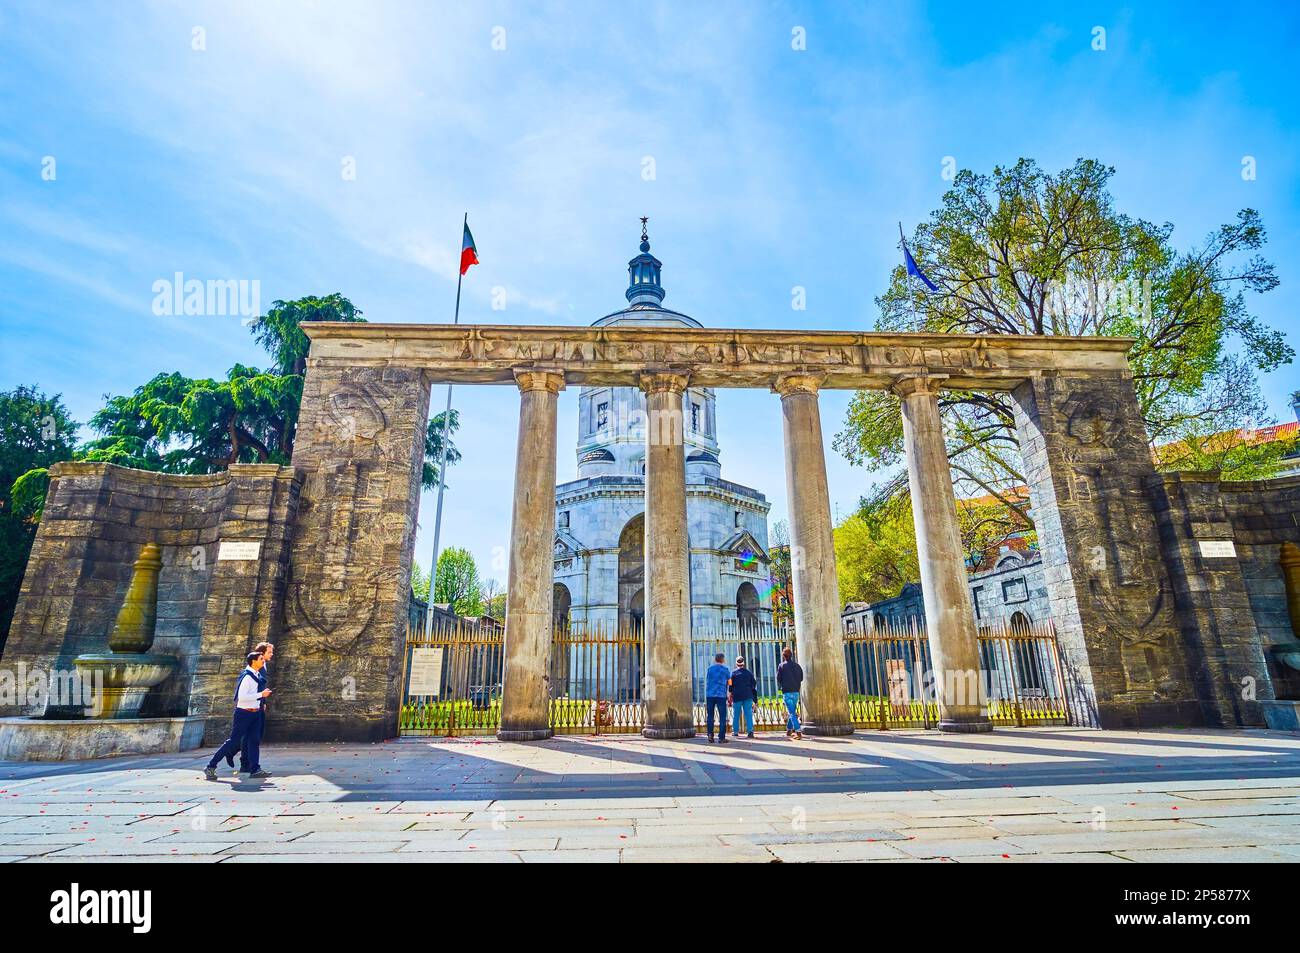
point(1023, 679)
point(452, 679)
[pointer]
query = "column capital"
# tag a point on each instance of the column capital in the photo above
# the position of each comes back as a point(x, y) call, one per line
point(534, 378)
point(788, 384)
point(917, 384)
point(654, 382)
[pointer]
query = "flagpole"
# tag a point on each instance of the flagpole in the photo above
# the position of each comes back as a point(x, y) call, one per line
point(442, 462)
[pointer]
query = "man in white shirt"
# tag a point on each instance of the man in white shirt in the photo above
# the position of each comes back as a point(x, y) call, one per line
point(248, 705)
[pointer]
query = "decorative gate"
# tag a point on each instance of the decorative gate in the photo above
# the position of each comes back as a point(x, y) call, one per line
point(452, 680)
point(1024, 680)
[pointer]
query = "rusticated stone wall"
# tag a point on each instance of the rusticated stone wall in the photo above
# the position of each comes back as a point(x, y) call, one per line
point(1233, 604)
point(97, 519)
point(1087, 461)
point(360, 450)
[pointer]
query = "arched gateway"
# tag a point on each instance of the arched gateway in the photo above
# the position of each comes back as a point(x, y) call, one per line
point(1080, 429)
point(317, 556)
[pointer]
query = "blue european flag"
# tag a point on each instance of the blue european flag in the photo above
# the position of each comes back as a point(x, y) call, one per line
point(914, 269)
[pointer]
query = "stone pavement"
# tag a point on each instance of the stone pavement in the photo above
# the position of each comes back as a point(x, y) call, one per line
point(1045, 794)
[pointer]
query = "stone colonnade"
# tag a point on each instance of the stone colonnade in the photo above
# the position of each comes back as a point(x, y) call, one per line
point(667, 690)
point(361, 438)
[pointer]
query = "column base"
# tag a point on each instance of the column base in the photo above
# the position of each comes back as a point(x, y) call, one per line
point(668, 733)
point(524, 734)
point(827, 731)
point(972, 727)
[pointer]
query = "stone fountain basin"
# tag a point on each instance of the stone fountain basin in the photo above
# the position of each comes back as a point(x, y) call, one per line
point(122, 680)
point(128, 670)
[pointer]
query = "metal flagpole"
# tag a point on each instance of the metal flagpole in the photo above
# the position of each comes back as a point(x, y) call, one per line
point(442, 462)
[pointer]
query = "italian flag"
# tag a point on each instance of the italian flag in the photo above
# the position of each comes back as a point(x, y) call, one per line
point(468, 253)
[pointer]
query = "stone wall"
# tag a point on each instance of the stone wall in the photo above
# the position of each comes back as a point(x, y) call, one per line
point(97, 519)
point(1233, 605)
point(1016, 584)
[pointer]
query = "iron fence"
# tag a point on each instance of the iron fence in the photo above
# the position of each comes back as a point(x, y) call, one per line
point(452, 679)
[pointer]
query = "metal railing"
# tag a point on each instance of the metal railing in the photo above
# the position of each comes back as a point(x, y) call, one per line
point(1022, 677)
point(452, 680)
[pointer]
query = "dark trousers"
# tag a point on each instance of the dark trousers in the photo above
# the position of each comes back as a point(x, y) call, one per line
point(247, 764)
point(244, 728)
point(720, 705)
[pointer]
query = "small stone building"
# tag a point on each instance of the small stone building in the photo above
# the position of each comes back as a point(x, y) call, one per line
point(1013, 592)
point(600, 516)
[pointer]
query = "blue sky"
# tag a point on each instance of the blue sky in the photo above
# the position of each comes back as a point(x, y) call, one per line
point(773, 168)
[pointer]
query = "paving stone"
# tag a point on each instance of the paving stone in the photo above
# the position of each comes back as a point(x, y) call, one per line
point(841, 851)
point(569, 856)
point(965, 847)
point(1199, 855)
point(1236, 794)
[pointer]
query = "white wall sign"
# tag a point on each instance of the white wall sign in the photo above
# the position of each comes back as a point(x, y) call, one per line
point(426, 671)
point(235, 549)
point(1218, 548)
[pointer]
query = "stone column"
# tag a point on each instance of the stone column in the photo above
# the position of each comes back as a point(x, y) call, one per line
point(818, 634)
point(526, 683)
point(949, 616)
point(667, 688)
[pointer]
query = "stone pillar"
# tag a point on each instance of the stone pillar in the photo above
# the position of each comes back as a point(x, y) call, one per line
point(360, 449)
point(818, 634)
point(526, 682)
point(1088, 465)
point(949, 616)
point(667, 688)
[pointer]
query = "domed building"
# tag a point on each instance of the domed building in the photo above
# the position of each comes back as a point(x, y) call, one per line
point(600, 516)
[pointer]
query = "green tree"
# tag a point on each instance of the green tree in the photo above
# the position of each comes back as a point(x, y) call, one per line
point(36, 432)
point(419, 582)
point(457, 583)
point(433, 446)
point(875, 553)
point(185, 425)
point(179, 424)
point(780, 577)
point(280, 332)
point(1022, 251)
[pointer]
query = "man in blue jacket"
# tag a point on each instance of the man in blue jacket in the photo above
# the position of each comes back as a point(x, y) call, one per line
point(715, 697)
point(744, 692)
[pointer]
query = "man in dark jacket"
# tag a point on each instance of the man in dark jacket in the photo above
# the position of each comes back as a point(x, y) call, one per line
point(247, 765)
point(744, 692)
point(789, 678)
point(715, 697)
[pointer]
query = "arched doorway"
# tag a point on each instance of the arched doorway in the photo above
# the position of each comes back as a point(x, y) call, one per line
point(1028, 663)
point(629, 656)
point(636, 612)
point(563, 601)
point(631, 575)
point(747, 607)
